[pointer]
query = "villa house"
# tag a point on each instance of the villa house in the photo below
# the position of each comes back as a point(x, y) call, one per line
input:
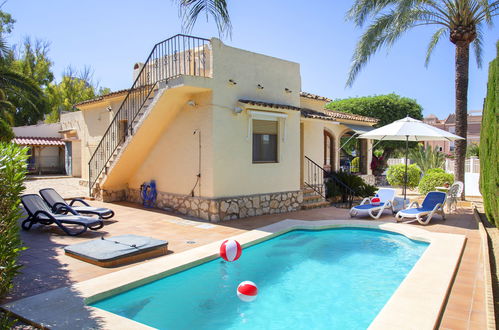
point(225, 133)
point(46, 149)
point(449, 124)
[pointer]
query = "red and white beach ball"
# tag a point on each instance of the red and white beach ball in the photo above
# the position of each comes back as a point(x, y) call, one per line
point(230, 250)
point(247, 291)
point(375, 201)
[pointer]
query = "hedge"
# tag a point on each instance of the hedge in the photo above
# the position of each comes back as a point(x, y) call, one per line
point(434, 179)
point(489, 155)
point(12, 173)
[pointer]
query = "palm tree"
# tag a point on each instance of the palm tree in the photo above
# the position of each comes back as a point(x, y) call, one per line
point(461, 20)
point(427, 158)
point(217, 9)
point(13, 83)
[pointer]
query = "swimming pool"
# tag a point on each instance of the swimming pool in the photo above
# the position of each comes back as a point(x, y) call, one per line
point(335, 278)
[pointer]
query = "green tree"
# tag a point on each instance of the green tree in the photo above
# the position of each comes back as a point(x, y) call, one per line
point(427, 158)
point(460, 20)
point(489, 136)
point(6, 23)
point(386, 108)
point(75, 86)
point(12, 83)
point(30, 59)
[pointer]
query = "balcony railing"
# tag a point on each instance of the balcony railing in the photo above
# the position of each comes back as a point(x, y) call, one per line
point(178, 55)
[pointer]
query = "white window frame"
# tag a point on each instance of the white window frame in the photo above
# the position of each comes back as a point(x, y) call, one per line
point(279, 117)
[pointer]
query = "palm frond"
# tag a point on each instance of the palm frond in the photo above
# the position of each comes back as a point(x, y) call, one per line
point(478, 46)
point(487, 11)
point(217, 9)
point(385, 31)
point(363, 9)
point(4, 48)
point(433, 42)
point(368, 44)
point(12, 80)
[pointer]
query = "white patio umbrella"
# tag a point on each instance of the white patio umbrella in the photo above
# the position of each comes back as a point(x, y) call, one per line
point(409, 129)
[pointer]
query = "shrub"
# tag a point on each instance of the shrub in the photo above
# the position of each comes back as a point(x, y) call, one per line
point(12, 173)
point(472, 150)
point(489, 152)
point(395, 175)
point(435, 170)
point(355, 165)
point(434, 179)
point(354, 182)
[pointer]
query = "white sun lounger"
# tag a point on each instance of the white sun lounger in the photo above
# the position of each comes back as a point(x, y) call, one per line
point(386, 196)
point(433, 204)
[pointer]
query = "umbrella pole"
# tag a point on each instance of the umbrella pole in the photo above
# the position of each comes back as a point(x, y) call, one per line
point(405, 174)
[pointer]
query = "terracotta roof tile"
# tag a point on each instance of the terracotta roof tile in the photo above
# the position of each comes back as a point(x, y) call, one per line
point(350, 116)
point(270, 105)
point(37, 141)
point(335, 115)
point(103, 97)
point(314, 97)
point(308, 113)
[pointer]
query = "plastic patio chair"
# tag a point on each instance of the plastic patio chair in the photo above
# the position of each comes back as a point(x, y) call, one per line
point(59, 205)
point(386, 196)
point(433, 204)
point(39, 212)
point(455, 191)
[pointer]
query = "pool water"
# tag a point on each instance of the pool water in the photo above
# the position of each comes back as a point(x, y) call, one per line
point(327, 279)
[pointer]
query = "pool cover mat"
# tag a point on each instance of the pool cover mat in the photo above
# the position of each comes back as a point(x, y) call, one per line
point(113, 248)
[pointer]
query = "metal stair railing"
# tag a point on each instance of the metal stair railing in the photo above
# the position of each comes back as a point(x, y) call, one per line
point(317, 177)
point(178, 55)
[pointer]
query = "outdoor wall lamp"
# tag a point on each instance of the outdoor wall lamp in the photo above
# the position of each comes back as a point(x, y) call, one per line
point(287, 90)
point(238, 110)
point(259, 86)
point(232, 82)
point(191, 103)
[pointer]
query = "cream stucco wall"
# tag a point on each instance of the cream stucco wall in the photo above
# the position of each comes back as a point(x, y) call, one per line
point(234, 171)
point(39, 130)
point(226, 151)
point(173, 160)
point(90, 124)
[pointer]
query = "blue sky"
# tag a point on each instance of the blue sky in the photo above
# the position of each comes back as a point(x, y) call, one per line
point(110, 36)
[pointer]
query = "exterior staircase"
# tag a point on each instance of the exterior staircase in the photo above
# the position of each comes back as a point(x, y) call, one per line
point(124, 136)
point(171, 58)
point(314, 190)
point(312, 199)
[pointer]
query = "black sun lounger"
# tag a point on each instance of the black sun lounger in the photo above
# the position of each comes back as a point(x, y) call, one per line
point(39, 212)
point(59, 205)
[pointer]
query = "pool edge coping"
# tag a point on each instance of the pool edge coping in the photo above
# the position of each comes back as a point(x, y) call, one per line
point(417, 303)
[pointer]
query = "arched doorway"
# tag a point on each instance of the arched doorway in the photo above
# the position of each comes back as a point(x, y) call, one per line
point(329, 151)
